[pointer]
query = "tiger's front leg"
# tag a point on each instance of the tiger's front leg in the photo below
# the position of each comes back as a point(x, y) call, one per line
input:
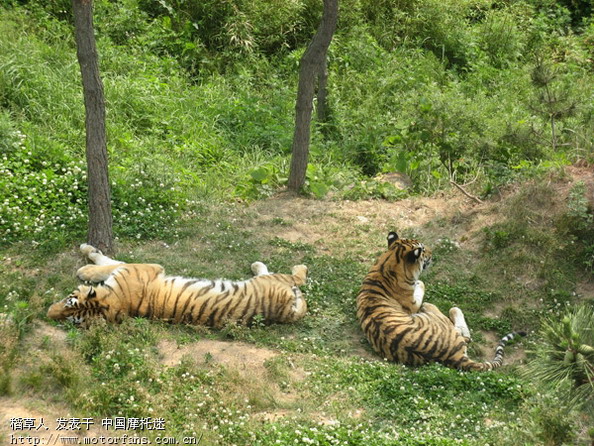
point(103, 266)
point(96, 256)
point(418, 295)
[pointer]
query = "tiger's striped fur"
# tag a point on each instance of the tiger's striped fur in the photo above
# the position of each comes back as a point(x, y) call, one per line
point(400, 326)
point(119, 290)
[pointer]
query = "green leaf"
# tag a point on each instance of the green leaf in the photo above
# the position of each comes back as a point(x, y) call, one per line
point(260, 174)
point(401, 163)
point(392, 140)
point(319, 189)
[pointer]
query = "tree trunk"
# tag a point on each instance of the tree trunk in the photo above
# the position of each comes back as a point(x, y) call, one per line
point(100, 219)
point(312, 62)
point(323, 93)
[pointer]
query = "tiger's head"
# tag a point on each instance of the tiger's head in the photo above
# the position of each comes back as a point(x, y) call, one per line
point(79, 307)
point(405, 260)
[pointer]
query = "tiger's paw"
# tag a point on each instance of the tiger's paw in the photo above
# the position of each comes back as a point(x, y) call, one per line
point(300, 273)
point(259, 269)
point(87, 250)
point(418, 294)
point(93, 274)
point(85, 274)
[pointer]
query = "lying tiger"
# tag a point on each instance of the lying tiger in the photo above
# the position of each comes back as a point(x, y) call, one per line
point(120, 289)
point(403, 328)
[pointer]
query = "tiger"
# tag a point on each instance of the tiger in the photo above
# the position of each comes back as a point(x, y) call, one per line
point(114, 290)
point(404, 329)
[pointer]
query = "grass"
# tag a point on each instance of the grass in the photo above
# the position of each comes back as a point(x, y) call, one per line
point(323, 385)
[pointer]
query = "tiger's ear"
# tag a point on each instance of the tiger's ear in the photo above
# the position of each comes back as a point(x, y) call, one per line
point(392, 237)
point(414, 255)
point(92, 293)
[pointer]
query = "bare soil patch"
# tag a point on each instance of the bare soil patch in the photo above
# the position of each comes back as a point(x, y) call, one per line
point(236, 355)
point(512, 355)
point(334, 226)
point(45, 333)
point(341, 227)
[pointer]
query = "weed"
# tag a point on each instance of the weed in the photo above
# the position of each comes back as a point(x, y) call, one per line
point(293, 246)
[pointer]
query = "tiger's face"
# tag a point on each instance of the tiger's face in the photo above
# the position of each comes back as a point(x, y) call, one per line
point(408, 257)
point(78, 307)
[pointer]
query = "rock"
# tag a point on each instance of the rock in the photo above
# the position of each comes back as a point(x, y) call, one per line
point(397, 179)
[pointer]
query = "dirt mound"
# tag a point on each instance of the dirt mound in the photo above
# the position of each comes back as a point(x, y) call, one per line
point(339, 227)
point(351, 227)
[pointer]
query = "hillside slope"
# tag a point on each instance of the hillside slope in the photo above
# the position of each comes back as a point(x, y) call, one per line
point(317, 381)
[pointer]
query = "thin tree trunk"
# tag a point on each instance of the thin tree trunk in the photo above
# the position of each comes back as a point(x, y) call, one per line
point(311, 63)
point(100, 219)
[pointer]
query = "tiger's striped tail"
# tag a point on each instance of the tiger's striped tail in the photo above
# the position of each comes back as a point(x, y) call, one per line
point(497, 361)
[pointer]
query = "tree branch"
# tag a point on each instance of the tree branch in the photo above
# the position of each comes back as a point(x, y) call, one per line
point(472, 197)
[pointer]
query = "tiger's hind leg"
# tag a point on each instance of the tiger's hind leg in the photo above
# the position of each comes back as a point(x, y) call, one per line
point(299, 273)
point(96, 256)
point(103, 266)
point(96, 273)
point(457, 318)
point(283, 289)
point(299, 307)
point(259, 269)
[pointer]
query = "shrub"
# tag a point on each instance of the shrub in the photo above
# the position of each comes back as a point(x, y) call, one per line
point(565, 359)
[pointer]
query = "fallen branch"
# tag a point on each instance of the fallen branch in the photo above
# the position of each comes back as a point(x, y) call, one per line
point(472, 197)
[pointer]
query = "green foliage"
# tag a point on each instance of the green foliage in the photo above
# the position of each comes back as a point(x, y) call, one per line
point(38, 195)
point(471, 297)
point(207, 36)
point(577, 224)
point(120, 357)
point(261, 181)
point(551, 422)
point(201, 95)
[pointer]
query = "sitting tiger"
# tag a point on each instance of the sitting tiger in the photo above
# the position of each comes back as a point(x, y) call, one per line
point(400, 326)
point(120, 289)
